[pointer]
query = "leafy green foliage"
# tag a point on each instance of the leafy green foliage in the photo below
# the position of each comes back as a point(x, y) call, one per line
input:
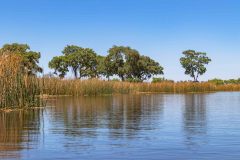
point(73, 57)
point(222, 82)
point(60, 66)
point(127, 63)
point(194, 63)
point(82, 61)
point(159, 80)
point(88, 63)
point(30, 58)
point(114, 62)
point(101, 67)
point(146, 68)
point(124, 62)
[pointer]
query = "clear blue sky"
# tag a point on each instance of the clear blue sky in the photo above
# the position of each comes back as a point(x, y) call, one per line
point(161, 29)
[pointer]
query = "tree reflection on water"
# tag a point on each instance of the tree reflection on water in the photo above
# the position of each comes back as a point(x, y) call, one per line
point(195, 119)
point(117, 117)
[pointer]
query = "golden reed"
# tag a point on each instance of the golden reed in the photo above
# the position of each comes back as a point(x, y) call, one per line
point(16, 88)
point(55, 86)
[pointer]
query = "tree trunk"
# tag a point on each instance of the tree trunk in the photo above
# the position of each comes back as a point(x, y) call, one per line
point(75, 74)
point(122, 78)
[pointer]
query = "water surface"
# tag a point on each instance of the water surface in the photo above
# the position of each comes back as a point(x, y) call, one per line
point(159, 126)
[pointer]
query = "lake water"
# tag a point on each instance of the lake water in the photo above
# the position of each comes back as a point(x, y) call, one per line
point(158, 126)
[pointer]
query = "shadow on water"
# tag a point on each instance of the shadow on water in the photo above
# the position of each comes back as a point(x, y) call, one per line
point(19, 130)
point(195, 119)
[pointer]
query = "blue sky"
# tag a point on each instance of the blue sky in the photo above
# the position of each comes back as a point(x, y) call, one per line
point(161, 29)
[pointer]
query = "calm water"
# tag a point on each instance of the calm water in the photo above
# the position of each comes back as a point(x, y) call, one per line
point(161, 126)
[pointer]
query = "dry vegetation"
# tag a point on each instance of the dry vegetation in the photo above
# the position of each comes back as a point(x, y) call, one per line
point(16, 89)
point(55, 86)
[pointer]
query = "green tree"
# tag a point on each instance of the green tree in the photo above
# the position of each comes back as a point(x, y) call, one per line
point(30, 58)
point(217, 81)
point(73, 54)
point(160, 80)
point(194, 63)
point(82, 61)
point(101, 67)
point(127, 63)
point(147, 67)
point(88, 64)
point(60, 66)
point(115, 62)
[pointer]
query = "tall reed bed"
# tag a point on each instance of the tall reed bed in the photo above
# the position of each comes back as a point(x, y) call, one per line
point(228, 87)
point(17, 90)
point(55, 86)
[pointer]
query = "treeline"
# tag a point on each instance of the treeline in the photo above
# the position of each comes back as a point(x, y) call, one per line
point(218, 81)
point(124, 62)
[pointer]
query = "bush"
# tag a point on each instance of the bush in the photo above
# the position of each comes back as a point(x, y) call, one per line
point(159, 80)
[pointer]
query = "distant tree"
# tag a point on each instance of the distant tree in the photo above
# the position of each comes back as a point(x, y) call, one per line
point(132, 58)
point(30, 58)
point(101, 67)
point(147, 67)
point(217, 81)
point(88, 64)
point(82, 61)
point(74, 56)
point(127, 63)
point(60, 66)
point(194, 63)
point(222, 82)
point(124, 62)
point(115, 62)
point(160, 80)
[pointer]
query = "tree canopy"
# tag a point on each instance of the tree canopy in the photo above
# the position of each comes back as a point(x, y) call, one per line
point(60, 66)
point(194, 63)
point(82, 61)
point(127, 63)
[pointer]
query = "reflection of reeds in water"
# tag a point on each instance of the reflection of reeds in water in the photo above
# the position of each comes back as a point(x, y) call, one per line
point(54, 86)
point(16, 88)
point(17, 130)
